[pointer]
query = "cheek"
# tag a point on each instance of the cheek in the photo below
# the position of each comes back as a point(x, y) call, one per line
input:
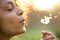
point(10, 18)
point(11, 24)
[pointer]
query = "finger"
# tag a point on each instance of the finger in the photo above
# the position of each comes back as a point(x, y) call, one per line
point(48, 35)
point(47, 32)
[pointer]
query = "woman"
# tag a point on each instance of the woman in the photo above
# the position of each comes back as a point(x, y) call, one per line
point(11, 20)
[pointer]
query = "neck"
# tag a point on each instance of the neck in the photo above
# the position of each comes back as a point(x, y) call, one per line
point(4, 37)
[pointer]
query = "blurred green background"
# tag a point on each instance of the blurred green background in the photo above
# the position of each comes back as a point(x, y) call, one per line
point(35, 27)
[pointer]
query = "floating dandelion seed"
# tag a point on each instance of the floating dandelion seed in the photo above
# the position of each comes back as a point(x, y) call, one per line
point(50, 14)
point(46, 20)
point(55, 16)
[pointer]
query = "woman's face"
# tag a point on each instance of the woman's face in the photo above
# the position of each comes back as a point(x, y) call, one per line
point(11, 19)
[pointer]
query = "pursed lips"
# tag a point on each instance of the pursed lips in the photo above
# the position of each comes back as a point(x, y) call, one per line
point(23, 21)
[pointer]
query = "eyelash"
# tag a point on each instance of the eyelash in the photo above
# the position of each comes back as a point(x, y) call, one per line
point(10, 9)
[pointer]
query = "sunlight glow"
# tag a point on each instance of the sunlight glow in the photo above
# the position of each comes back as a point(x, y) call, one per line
point(25, 5)
point(44, 4)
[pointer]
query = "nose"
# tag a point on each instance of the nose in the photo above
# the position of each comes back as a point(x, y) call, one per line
point(19, 12)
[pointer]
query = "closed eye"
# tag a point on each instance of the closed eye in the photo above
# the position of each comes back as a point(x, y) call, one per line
point(9, 6)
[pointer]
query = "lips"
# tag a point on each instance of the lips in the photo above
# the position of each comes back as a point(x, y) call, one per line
point(23, 21)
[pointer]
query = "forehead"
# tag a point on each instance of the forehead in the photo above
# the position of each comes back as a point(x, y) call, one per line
point(6, 0)
point(2, 2)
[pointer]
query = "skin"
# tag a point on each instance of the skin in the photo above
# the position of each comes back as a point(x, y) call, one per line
point(11, 20)
point(46, 35)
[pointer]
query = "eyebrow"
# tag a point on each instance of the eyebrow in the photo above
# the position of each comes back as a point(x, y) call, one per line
point(7, 3)
point(10, 3)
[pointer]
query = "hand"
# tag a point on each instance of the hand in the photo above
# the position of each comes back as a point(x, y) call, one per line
point(46, 35)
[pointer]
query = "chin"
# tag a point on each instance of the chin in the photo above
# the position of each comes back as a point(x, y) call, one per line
point(20, 31)
point(14, 34)
point(23, 30)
